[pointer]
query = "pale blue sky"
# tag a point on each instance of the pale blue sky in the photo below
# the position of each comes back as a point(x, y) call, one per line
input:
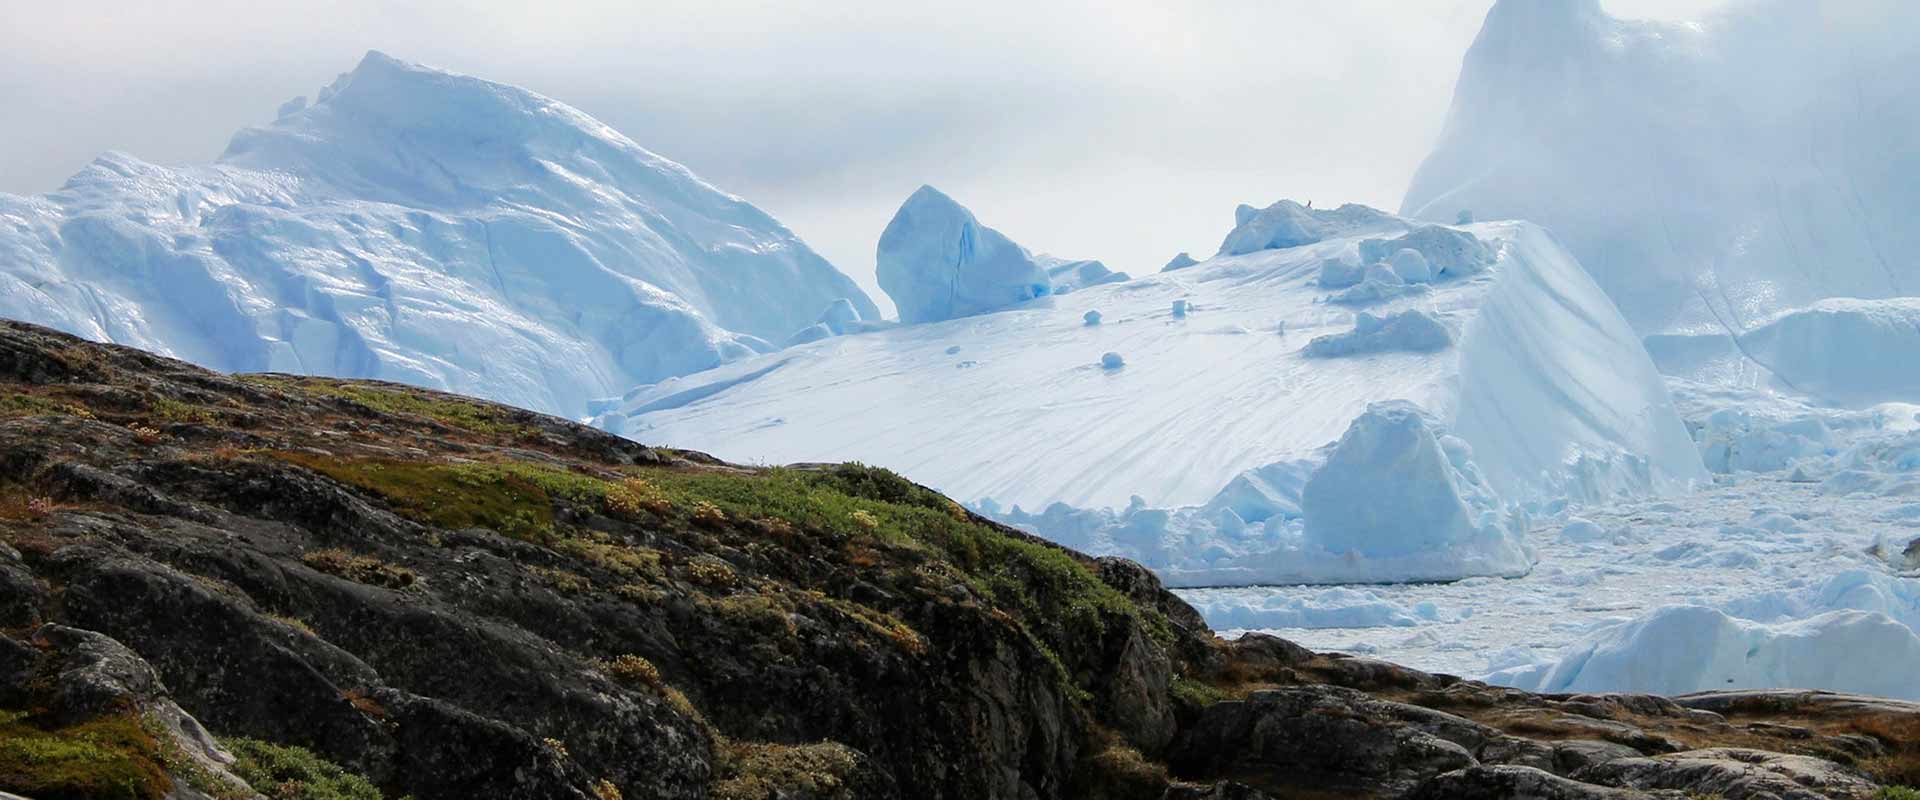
point(1109, 129)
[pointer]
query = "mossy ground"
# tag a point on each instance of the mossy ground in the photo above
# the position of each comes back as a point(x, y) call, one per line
point(1034, 581)
point(110, 758)
point(21, 404)
point(509, 499)
point(1041, 584)
point(880, 520)
point(454, 412)
point(293, 773)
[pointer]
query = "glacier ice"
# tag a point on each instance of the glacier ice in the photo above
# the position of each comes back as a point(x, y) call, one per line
point(425, 227)
point(1680, 649)
point(1338, 273)
point(1411, 266)
point(1339, 607)
point(1395, 499)
point(1390, 489)
point(1412, 330)
point(841, 316)
point(1845, 351)
point(1706, 174)
point(1180, 261)
point(1067, 275)
point(1288, 224)
point(938, 262)
point(1445, 251)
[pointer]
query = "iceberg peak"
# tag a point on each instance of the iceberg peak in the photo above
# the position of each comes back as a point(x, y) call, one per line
point(416, 225)
point(938, 262)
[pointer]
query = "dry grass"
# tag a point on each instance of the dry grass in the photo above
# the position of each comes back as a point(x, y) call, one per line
point(708, 515)
point(631, 670)
point(563, 580)
point(295, 623)
point(1901, 735)
point(364, 703)
point(359, 568)
point(639, 594)
point(633, 496)
point(756, 771)
point(713, 574)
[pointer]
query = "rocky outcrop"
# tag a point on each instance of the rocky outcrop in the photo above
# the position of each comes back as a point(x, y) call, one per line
point(411, 593)
point(1736, 774)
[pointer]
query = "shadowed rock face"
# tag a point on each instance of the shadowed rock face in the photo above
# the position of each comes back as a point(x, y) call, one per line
point(458, 599)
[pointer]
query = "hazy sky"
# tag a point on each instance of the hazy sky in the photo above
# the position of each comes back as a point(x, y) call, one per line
point(1110, 129)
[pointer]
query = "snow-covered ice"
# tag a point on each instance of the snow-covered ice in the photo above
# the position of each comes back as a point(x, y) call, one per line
point(419, 226)
point(1544, 380)
point(1191, 447)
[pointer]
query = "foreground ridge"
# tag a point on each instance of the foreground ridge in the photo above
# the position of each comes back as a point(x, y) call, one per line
point(234, 586)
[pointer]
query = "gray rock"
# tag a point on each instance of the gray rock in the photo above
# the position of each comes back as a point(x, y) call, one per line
point(1340, 738)
point(1735, 774)
point(1577, 754)
point(1224, 790)
point(1517, 783)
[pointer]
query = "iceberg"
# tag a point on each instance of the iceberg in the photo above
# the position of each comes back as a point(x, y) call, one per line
point(424, 227)
point(1707, 174)
point(1845, 351)
point(937, 262)
point(1681, 649)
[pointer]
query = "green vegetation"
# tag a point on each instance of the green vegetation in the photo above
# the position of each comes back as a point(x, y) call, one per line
point(1040, 584)
point(513, 499)
point(169, 410)
point(293, 773)
point(1897, 793)
point(1191, 696)
point(879, 519)
point(1120, 770)
point(110, 757)
point(623, 560)
point(565, 581)
point(20, 404)
point(453, 412)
